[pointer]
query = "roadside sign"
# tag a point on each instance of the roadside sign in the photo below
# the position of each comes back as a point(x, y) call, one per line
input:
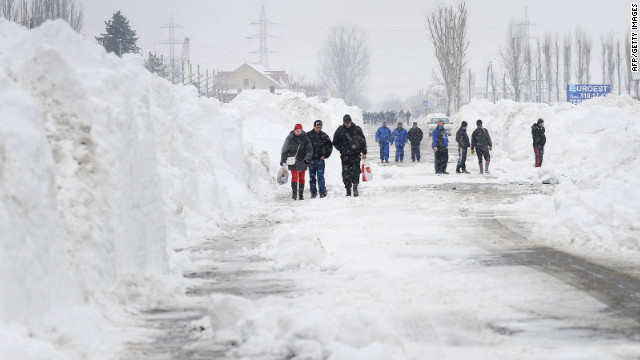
point(581, 92)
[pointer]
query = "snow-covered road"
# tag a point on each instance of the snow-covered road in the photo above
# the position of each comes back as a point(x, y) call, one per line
point(419, 266)
point(133, 182)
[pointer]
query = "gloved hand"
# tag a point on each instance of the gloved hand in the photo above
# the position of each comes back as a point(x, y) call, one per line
point(490, 148)
point(472, 152)
point(306, 161)
point(281, 163)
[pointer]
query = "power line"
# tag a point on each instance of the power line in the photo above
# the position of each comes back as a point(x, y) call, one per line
point(262, 36)
point(172, 41)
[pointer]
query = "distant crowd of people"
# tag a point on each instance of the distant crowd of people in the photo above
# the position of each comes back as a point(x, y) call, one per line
point(302, 151)
point(390, 117)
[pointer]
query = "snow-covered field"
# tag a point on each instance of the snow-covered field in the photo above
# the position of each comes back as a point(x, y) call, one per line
point(106, 169)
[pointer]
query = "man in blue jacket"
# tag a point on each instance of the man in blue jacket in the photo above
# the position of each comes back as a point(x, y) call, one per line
point(383, 135)
point(399, 136)
point(439, 145)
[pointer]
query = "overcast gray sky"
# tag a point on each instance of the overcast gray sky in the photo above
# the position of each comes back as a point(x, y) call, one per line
point(402, 56)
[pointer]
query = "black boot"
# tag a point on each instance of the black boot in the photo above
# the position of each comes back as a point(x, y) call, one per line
point(301, 192)
point(323, 194)
point(294, 188)
point(481, 169)
point(355, 190)
point(348, 190)
point(464, 170)
point(458, 169)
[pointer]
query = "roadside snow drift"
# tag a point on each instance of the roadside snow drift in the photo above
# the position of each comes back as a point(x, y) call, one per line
point(592, 153)
point(103, 166)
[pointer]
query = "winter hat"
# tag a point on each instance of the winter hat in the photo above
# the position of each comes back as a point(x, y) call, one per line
point(415, 123)
point(399, 124)
point(479, 122)
point(298, 126)
point(464, 123)
point(346, 118)
point(540, 121)
point(317, 123)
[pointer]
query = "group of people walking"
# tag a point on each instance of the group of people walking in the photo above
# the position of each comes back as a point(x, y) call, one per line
point(309, 150)
point(316, 145)
point(480, 144)
point(400, 136)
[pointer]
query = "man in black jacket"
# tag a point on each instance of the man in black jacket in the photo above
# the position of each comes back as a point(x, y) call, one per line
point(322, 148)
point(463, 143)
point(481, 142)
point(349, 140)
point(415, 137)
point(539, 140)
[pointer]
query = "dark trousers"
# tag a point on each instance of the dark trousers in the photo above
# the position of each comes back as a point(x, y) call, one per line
point(316, 173)
point(442, 158)
point(415, 152)
point(539, 152)
point(462, 157)
point(485, 154)
point(350, 169)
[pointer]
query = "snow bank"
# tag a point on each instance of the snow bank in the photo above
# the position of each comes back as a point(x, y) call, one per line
point(301, 329)
point(592, 152)
point(292, 246)
point(103, 168)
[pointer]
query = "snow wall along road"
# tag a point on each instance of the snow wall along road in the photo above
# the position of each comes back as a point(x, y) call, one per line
point(592, 153)
point(102, 166)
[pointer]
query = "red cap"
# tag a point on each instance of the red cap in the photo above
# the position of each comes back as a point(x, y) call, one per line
point(298, 126)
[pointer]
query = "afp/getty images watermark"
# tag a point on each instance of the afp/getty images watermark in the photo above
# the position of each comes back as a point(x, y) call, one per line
point(634, 38)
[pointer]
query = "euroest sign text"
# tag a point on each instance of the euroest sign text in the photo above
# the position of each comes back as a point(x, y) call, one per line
point(578, 93)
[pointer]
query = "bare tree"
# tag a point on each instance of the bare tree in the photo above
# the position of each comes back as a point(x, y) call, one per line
point(25, 14)
point(539, 75)
point(603, 59)
point(448, 33)
point(9, 10)
point(547, 54)
point(345, 61)
point(513, 57)
point(32, 13)
point(567, 60)
point(611, 64)
point(587, 58)
point(583, 53)
point(528, 61)
point(557, 53)
point(618, 66)
point(68, 10)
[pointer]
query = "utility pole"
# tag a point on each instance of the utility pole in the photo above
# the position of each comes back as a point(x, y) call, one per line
point(171, 42)
point(523, 32)
point(469, 85)
point(486, 87)
point(262, 36)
